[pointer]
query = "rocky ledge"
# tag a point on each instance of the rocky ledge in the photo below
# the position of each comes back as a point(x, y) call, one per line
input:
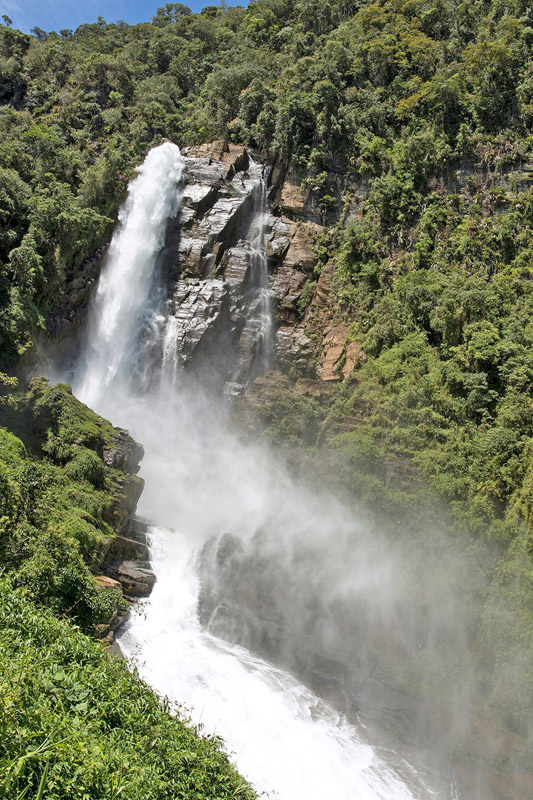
point(126, 566)
point(229, 228)
point(127, 570)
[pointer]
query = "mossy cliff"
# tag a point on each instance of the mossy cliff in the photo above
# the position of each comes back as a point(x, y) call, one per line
point(69, 487)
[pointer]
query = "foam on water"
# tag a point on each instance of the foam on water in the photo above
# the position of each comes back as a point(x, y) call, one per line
point(285, 740)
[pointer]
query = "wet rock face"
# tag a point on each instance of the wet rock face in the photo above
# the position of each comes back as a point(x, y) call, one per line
point(206, 269)
point(127, 564)
point(335, 645)
point(211, 297)
point(214, 301)
point(122, 461)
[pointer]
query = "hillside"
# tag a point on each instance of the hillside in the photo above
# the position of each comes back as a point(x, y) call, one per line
point(400, 141)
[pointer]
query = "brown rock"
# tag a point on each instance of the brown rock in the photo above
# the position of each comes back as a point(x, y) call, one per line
point(233, 156)
point(292, 200)
point(105, 582)
point(333, 347)
point(301, 254)
point(136, 581)
point(124, 547)
point(323, 288)
point(354, 356)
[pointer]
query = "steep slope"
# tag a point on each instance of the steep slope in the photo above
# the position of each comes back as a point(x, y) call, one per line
point(399, 136)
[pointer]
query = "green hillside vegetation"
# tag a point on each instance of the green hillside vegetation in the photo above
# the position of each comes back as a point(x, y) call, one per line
point(57, 500)
point(76, 724)
point(433, 273)
point(398, 90)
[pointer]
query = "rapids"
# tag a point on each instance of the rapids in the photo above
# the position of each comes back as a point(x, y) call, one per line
point(286, 741)
point(200, 482)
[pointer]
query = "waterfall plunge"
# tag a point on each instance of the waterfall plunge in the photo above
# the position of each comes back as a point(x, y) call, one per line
point(200, 482)
point(123, 298)
point(261, 311)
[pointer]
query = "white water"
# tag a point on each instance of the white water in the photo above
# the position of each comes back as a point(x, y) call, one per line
point(263, 305)
point(199, 482)
point(284, 739)
point(123, 293)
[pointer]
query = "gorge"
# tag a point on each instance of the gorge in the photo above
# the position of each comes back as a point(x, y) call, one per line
point(246, 555)
point(312, 323)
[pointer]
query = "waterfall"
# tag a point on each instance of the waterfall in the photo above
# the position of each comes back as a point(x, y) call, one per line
point(200, 482)
point(122, 304)
point(260, 318)
point(170, 363)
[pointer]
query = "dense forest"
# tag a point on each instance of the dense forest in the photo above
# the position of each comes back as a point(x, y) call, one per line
point(428, 105)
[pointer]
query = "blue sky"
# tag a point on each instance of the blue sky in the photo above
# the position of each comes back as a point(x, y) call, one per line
point(53, 15)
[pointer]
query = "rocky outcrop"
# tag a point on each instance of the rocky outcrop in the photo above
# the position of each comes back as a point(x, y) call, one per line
point(126, 566)
point(128, 571)
point(211, 299)
point(128, 561)
point(338, 356)
point(213, 256)
point(267, 601)
point(207, 267)
point(122, 459)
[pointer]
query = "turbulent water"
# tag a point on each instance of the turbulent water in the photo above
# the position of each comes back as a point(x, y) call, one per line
point(284, 739)
point(201, 482)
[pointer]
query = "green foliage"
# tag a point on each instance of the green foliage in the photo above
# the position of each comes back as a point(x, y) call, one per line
point(396, 91)
point(56, 500)
point(429, 106)
point(75, 723)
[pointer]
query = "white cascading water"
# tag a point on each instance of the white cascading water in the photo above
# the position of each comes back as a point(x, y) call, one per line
point(123, 294)
point(262, 310)
point(201, 481)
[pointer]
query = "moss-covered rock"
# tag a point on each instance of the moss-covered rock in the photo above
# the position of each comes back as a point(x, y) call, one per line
point(67, 488)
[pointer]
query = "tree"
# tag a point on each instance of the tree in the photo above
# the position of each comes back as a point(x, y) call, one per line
point(39, 34)
point(7, 20)
point(170, 13)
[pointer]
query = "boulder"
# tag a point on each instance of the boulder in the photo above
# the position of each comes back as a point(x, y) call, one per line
point(105, 582)
point(137, 581)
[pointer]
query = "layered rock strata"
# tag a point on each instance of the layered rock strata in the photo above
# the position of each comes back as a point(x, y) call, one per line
point(212, 283)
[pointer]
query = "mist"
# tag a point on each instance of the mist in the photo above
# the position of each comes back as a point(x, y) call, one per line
point(333, 652)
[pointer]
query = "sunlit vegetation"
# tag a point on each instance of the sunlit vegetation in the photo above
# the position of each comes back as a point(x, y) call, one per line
point(77, 724)
point(56, 501)
point(433, 277)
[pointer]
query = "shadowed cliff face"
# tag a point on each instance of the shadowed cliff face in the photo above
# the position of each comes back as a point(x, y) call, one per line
point(366, 622)
point(229, 257)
